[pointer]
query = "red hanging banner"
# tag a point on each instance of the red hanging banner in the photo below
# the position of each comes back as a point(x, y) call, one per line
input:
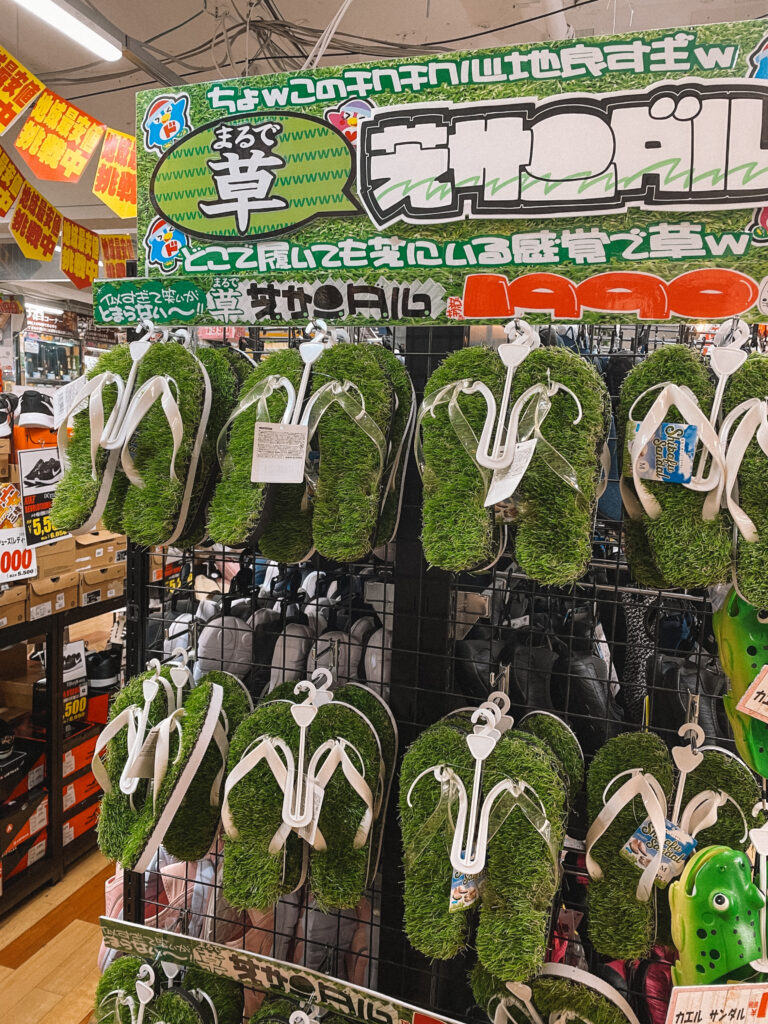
point(58, 139)
point(36, 224)
point(79, 253)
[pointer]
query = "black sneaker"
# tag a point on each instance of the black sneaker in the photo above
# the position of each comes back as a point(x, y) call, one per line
point(103, 668)
point(8, 403)
point(46, 471)
point(6, 740)
point(35, 409)
point(72, 661)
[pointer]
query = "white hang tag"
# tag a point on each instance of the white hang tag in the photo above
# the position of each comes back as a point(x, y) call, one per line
point(309, 832)
point(143, 766)
point(668, 456)
point(65, 397)
point(755, 700)
point(505, 482)
point(279, 453)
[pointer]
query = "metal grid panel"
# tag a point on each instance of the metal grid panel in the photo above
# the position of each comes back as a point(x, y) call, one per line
point(642, 652)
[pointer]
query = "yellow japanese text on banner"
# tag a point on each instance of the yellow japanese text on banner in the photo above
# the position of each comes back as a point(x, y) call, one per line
point(58, 139)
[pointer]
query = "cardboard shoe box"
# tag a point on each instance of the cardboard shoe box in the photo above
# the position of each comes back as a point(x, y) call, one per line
point(30, 777)
point(22, 818)
point(13, 605)
point(80, 823)
point(80, 790)
point(55, 559)
point(48, 596)
point(97, 585)
point(23, 857)
point(100, 548)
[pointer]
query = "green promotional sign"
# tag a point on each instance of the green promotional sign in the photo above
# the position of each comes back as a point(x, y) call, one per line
point(615, 178)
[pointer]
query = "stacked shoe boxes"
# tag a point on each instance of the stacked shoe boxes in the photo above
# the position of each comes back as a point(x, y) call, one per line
point(74, 572)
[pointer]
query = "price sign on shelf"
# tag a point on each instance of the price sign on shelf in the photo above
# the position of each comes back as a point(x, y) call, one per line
point(755, 701)
point(718, 1004)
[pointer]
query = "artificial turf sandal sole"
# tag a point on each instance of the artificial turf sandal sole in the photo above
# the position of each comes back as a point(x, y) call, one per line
point(196, 725)
point(85, 488)
point(744, 438)
point(191, 832)
point(141, 705)
point(686, 537)
point(243, 512)
point(564, 406)
point(224, 392)
point(163, 434)
point(458, 531)
point(630, 779)
point(350, 414)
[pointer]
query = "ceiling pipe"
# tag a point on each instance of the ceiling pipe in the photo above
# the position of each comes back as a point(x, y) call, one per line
point(556, 22)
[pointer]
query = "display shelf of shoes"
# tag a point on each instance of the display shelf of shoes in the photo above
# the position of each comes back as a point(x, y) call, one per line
point(59, 855)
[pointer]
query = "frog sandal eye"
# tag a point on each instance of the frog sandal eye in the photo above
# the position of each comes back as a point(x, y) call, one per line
point(720, 901)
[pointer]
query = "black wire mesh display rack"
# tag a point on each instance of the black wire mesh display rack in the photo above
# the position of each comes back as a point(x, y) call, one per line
point(453, 640)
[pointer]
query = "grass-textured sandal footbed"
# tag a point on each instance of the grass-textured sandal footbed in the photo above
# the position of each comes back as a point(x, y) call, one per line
point(190, 834)
point(120, 976)
point(521, 876)
point(254, 878)
point(429, 925)
point(151, 513)
point(687, 550)
point(340, 873)
point(562, 741)
point(720, 771)
point(77, 491)
point(224, 390)
point(401, 383)
point(458, 531)
point(117, 817)
point(554, 524)
point(349, 485)
point(620, 925)
point(751, 571)
point(238, 513)
point(143, 834)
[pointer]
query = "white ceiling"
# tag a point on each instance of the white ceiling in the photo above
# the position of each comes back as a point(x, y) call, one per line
point(63, 64)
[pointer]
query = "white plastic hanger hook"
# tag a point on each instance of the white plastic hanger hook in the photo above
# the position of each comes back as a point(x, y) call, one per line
point(145, 989)
point(522, 340)
point(687, 757)
point(298, 798)
point(181, 674)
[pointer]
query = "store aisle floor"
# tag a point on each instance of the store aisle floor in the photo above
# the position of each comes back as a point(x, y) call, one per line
point(48, 949)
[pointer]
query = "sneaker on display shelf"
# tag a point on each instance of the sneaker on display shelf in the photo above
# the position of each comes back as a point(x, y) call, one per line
point(8, 403)
point(35, 409)
point(103, 668)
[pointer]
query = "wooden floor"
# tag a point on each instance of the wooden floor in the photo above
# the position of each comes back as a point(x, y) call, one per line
point(48, 949)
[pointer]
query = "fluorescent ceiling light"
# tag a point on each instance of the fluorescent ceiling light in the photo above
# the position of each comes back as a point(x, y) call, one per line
point(50, 310)
point(78, 31)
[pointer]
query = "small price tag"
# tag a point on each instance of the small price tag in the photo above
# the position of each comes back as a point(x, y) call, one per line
point(505, 482)
point(642, 848)
point(279, 452)
point(736, 1004)
point(755, 701)
point(65, 397)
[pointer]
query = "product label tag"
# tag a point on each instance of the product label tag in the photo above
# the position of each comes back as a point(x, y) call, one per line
point(39, 611)
point(755, 700)
point(68, 763)
point(707, 1004)
point(68, 797)
point(279, 452)
point(36, 776)
point(67, 833)
point(36, 852)
point(65, 397)
point(505, 482)
point(668, 456)
point(465, 891)
point(642, 848)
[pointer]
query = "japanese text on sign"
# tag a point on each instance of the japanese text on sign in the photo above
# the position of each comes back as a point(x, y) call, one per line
point(117, 250)
point(18, 87)
point(58, 139)
point(36, 224)
point(115, 181)
point(79, 253)
point(11, 180)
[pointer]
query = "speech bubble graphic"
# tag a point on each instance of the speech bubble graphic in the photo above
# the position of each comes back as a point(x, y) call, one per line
point(245, 178)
